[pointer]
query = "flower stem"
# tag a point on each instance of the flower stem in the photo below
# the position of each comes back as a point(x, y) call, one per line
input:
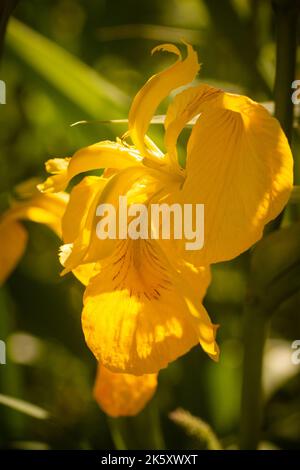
point(6, 8)
point(256, 320)
point(255, 327)
point(286, 17)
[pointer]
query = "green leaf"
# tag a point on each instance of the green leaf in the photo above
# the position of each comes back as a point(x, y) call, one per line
point(275, 255)
point(275, 269)
point(95, 95)
point(24, 407)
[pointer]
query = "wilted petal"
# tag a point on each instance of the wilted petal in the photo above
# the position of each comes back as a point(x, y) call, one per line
point(123, 394)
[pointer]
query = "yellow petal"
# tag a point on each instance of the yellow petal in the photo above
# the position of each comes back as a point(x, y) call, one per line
point(138, 184)
point(83, 272)
point(240, 166)
point(182, 109)
point(81, 197)
point(104, 154)
point(45, 209)
point(77, 223)
point(135, 318)
point(193, 282)
point(123, 394)
point(13, 239)
point(156, 89)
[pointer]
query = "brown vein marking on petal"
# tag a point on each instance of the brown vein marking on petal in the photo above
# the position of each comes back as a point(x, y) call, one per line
point(137, 267)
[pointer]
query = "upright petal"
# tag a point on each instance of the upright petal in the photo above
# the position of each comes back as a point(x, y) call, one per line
point(156, 89)
point(123, 394)
point(240, 166)
point(182, 109)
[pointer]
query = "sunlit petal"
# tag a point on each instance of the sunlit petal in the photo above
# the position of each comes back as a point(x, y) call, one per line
point(135, 318)
point(45, 209)
point(104, 154)
point(156, 89)
point(186, 105)
point(240, 166)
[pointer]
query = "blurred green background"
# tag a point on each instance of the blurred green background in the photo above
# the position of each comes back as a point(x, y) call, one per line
point(71, 60)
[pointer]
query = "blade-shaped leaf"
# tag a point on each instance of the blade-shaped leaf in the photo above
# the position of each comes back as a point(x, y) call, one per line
point(76, 80)
point(275, 255)
point(24, 407)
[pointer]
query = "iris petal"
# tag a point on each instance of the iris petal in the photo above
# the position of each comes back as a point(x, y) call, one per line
point(41, 208)
point(123, 394)
point(240, 166)
point(13, 239)
point(155, 90)
point(45, 209)
point(104, 154)
point(135, 318)
point(182, 109)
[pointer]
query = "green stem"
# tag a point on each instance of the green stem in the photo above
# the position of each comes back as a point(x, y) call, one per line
point(256, 320)
point(116, 433)
point(6, 8)
point(255, 327)
point(286, 18)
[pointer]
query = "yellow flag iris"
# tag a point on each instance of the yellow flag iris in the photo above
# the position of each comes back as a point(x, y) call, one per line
point(116, 394)
point(143, 300)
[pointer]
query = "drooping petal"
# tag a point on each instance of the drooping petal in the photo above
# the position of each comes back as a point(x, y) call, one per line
point(123, 394)
point(156, 89)
point(240, 166)
point(13, 239)
point(135, 318)
point(104, 154)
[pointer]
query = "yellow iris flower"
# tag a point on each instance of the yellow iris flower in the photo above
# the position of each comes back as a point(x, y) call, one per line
point(116, 394)
point(143, 300)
